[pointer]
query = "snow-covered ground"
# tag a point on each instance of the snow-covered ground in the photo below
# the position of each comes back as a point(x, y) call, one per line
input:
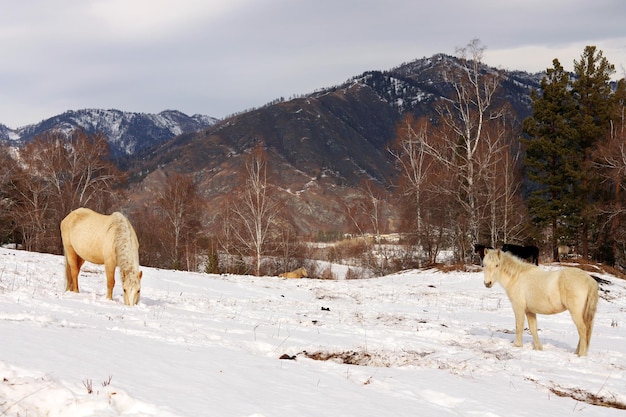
point(418, 343)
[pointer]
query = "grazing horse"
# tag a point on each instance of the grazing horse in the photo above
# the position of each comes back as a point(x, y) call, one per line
point(533, 291)
point(102, 239)
point(298, 273)
point(523, 252)
point(480, 250)
point(563, 251)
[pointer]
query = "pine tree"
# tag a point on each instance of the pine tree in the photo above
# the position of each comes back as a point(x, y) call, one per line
point(550, 157)
point(571, 118)
point(592, 91)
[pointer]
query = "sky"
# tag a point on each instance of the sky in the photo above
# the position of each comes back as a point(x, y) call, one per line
point(219, 57)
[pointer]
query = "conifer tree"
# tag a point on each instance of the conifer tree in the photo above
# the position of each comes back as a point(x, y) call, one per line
point(550, 159)
point(571, 117)
point(593, 94)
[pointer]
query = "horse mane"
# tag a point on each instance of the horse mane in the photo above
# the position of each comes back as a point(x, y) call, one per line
point(510, 264)
point(125, 249)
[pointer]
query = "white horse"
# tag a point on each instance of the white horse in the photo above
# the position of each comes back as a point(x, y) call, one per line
point(533, 291)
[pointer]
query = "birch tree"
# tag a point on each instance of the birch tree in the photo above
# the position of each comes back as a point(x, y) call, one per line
point(410, 153)
point(470, 108)
point(179, 204)
point(255, 209)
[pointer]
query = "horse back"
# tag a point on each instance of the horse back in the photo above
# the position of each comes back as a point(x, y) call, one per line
point(86, 232)
point(577, 282)
point(541, 291)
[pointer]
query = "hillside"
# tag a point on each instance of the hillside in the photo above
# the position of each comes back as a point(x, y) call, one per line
point(234, 346)
point(322, 145)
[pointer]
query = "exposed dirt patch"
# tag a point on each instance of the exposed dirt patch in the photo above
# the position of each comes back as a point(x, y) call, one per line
point(587, 397)
point(383, 360)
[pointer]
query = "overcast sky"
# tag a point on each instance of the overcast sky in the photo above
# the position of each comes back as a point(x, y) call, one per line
point(217, 57)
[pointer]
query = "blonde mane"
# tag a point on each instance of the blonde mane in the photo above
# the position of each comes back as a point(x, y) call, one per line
point(512, 266)
point(125, 243)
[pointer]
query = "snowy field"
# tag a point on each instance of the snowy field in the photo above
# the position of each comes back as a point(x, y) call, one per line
point(420, 343)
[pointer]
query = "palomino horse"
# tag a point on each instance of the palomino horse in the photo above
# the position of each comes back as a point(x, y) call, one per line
point(533, 291)
point(523, 252)
point(102, 239)
point(298, 273)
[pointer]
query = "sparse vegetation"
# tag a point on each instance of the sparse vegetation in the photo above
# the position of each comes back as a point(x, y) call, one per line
point(449, 172)
point(587, 397)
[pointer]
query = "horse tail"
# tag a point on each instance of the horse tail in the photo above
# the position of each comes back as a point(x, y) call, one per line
point(591, 306)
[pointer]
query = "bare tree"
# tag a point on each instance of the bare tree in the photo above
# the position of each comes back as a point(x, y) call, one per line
point(58, 174)
point(415, 162)
point(459, 144)
point(30, 213)
point(179, 204)
point(256, 209)
point(610, 159)
point(289, 250)
point(366, 209)
point(466, 115)
point(93, 175)
point(499, 182)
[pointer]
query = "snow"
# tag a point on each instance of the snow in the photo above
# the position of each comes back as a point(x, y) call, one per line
point(415, 343)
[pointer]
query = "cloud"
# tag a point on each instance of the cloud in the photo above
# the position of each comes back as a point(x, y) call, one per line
point(219, 57)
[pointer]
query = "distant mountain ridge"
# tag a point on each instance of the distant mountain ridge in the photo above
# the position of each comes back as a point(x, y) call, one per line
point(321, 146)
point(128, 133)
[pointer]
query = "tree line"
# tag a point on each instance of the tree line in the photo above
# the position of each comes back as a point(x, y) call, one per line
point(55, 174)
point(470, 173)
point(473, 174)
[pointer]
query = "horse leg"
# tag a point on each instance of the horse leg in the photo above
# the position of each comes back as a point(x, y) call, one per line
point(519, 326)
point(532, 325)
point(73, 263)
point(583, 333)
point(110, 273)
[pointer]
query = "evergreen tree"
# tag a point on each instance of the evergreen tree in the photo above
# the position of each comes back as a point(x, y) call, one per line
point(592, 91)
point(550, 154)
point(571, 117)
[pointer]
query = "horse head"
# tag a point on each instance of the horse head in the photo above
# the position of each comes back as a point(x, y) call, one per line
point(131, 282)
point(491, 262)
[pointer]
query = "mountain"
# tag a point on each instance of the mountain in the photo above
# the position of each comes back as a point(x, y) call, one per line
point(322, 145)
point(128, 133)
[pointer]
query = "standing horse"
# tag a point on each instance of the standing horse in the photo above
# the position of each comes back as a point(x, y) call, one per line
point(298, 273)
point(563, 252)
point(102, 239)
point(523, 252)
point(533, 291)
